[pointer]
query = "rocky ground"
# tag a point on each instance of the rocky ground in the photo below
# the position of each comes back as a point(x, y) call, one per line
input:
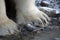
point(51, 32)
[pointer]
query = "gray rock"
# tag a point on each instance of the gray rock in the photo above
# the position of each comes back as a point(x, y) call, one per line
point(49, 11)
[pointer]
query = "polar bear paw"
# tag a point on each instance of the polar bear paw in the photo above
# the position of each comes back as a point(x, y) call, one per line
point(40, 17)
point(8, 27)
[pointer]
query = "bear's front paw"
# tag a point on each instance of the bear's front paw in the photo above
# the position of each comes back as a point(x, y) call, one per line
point(44, 18)
point(8, 27)
point(38, 18)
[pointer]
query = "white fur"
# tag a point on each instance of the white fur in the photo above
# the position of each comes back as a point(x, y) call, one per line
point(27, 11)
point(7, 26)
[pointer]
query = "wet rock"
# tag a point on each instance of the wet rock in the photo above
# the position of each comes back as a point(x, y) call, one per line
point(57, 38)
point(55, 21)
point(44, 3)
point(28, 27)
point(50, 11)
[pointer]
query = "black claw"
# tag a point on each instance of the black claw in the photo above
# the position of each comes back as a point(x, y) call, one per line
point(34, 28)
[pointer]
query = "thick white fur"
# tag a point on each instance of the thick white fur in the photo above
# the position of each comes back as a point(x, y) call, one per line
point(7, 26)
point(27, 11)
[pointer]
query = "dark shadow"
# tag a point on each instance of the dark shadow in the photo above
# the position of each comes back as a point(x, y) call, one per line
point(10, 9)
